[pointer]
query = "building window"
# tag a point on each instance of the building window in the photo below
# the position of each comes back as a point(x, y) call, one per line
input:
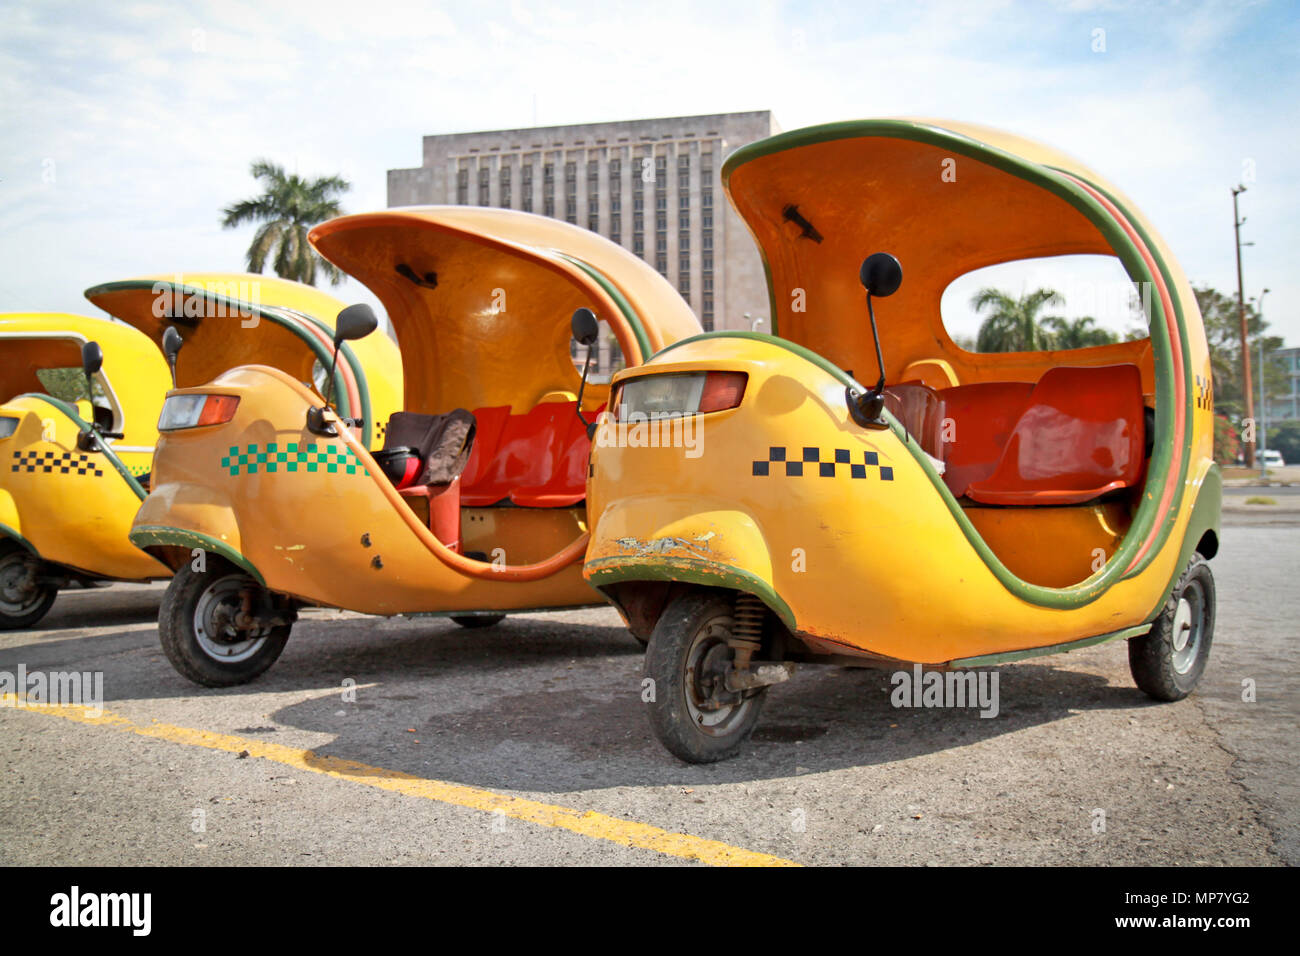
point(615, 204)
point(707, 265)
point(684, 240)
point(616, 228)
point(638, 201)
point(707, 220)
point(548, 205)
point(593, 221)
point(615, 171)
point(661, 222)
point(684, 265)
point(462, 186)
point(484, 185)
point(505, 187)
point(708, 282)
point(661, 264)
point(638, 244)
point(706, 198)
point(684, 283)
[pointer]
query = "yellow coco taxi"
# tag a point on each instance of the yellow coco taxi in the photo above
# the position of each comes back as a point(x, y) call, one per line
point(77, 433)
point(875, 501)
point(475, 505)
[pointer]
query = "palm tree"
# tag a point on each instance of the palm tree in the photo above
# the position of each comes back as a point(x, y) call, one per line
point(287, 209)
point(1013, 325)
point(1080, 333)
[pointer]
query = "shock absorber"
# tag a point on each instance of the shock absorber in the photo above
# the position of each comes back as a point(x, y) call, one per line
point(747, 629)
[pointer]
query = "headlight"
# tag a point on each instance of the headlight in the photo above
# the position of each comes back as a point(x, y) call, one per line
point(676, 394)
point(191, 411)
point(8, 426)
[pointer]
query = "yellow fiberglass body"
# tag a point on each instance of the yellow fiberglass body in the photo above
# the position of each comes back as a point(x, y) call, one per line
point(292, 510)
point(71, 474)
point(230, 319)
point(977, 508)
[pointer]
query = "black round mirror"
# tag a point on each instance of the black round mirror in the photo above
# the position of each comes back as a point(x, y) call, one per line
point(92, 358)
point(585, 327)
point(171, 343)
point(881, 274)
point(355, 322)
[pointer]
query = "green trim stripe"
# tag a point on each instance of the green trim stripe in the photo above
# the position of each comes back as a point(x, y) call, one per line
point(8, 532)
point(990, 660)
point(633, 319)
point(146, 536)
point(613, 570)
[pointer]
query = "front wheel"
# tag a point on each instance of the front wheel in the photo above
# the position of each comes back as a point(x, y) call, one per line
point(216, 627)
point(691, 711)
point(24, 596)
point(1168, 661)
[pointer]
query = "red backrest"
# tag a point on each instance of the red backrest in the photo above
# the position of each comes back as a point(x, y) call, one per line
point(489, 424)
point(982, 418)
point(1080, 437)
point(527, 452)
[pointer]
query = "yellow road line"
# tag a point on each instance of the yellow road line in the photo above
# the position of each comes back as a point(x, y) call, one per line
point(587, 823)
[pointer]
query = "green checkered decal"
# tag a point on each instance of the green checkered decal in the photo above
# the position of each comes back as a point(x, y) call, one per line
point(330, 459)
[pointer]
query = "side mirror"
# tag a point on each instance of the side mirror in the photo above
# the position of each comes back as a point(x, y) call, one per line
point(92, 359)
point(585, 327)
point(881, 274)
point(171, 344)
point(355, 322)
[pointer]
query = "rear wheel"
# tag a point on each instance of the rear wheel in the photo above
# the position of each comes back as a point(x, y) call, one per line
point(24, 596)
point(213, 626)
point(692, 713)
point(473, 621)
point(1168, 661)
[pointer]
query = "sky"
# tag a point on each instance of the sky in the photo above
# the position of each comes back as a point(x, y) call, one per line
point(125, 128)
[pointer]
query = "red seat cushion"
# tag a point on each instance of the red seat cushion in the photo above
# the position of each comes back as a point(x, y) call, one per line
point(982, 418)
point(568, 482)
point(1080, 436)
point(526, 454)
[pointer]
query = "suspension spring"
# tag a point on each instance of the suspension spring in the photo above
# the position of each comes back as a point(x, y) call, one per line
point(747, 629)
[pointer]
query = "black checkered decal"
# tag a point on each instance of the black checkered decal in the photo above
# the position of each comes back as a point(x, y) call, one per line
point(808, 461)
point(65, 463)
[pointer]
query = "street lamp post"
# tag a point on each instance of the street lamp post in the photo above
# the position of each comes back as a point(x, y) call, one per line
point(1247, 391)
point(1263, 400)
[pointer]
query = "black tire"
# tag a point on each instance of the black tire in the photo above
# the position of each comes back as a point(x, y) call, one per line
point(251, 652)
point(684, 654)
point(22, 602)
point(475, 621)
point(1167, 662)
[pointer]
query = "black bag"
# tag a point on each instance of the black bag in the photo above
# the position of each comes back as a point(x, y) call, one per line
point(426, 449)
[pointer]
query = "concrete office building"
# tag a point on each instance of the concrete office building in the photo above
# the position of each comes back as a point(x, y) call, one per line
point(653, 186)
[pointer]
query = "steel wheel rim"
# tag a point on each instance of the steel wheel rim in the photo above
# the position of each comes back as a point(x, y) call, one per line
point(223, 641)
point(708, 649)
point(1188, 628)
point(13, 568)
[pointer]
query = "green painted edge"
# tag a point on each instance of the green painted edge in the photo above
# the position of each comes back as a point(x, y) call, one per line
point(319, 350)
point(1206, 515)
point(1161, 344)
point(151, 534)
point(989, 660)
point(1074, 596)
point(634, 319)
point(103, 447)
point(8, 532)
point(614, 570)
